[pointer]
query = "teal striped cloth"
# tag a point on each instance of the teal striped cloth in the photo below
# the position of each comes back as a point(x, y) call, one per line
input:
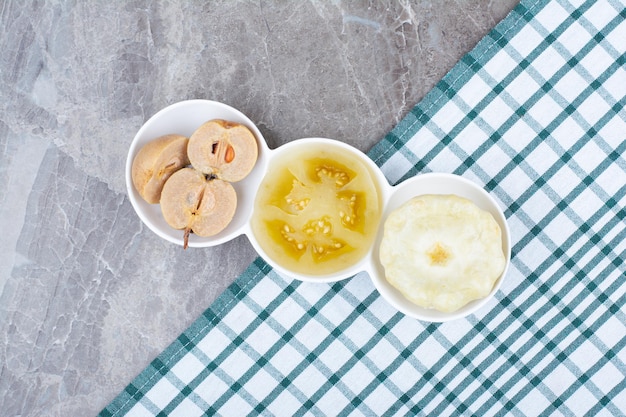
point(534, 114)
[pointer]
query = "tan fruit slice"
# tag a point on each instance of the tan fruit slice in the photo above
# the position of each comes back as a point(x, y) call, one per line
point(155, 162)
point(193, 203)
point(225, 149)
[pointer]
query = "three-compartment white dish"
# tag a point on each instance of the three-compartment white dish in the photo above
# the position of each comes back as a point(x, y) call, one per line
point(184, 117)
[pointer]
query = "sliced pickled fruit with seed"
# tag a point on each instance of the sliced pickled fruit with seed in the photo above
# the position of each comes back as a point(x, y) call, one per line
point(320, 240)
point(155, 162)
point(330, 175)
point(317, 213)
point(348, 205)
point(223, 149)
point(298, 198)
point(196, 204)
point(315, 239)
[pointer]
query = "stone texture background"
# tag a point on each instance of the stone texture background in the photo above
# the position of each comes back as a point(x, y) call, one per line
point(89, 295)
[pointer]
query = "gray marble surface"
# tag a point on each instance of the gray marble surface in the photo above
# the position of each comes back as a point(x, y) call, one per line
point(88, 294)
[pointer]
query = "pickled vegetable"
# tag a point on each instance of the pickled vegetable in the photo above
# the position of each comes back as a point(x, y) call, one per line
point(317, 211)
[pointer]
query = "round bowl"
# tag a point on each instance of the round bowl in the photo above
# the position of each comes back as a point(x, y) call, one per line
point(185, 117)
point(302, 149)
point(442, 184)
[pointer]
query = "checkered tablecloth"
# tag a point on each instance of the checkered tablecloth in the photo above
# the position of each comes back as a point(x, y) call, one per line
point(535, 114)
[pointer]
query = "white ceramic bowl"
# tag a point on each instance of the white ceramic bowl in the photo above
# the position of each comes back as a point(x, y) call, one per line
point(331, 146)
point(435, 183)
point(184, 117)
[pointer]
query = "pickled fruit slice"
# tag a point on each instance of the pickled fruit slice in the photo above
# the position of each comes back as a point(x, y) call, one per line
point(316, 236)
point(194, 203)
point(442, 251)
point(224, 149)
point(317, 212)
point(155, 162)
